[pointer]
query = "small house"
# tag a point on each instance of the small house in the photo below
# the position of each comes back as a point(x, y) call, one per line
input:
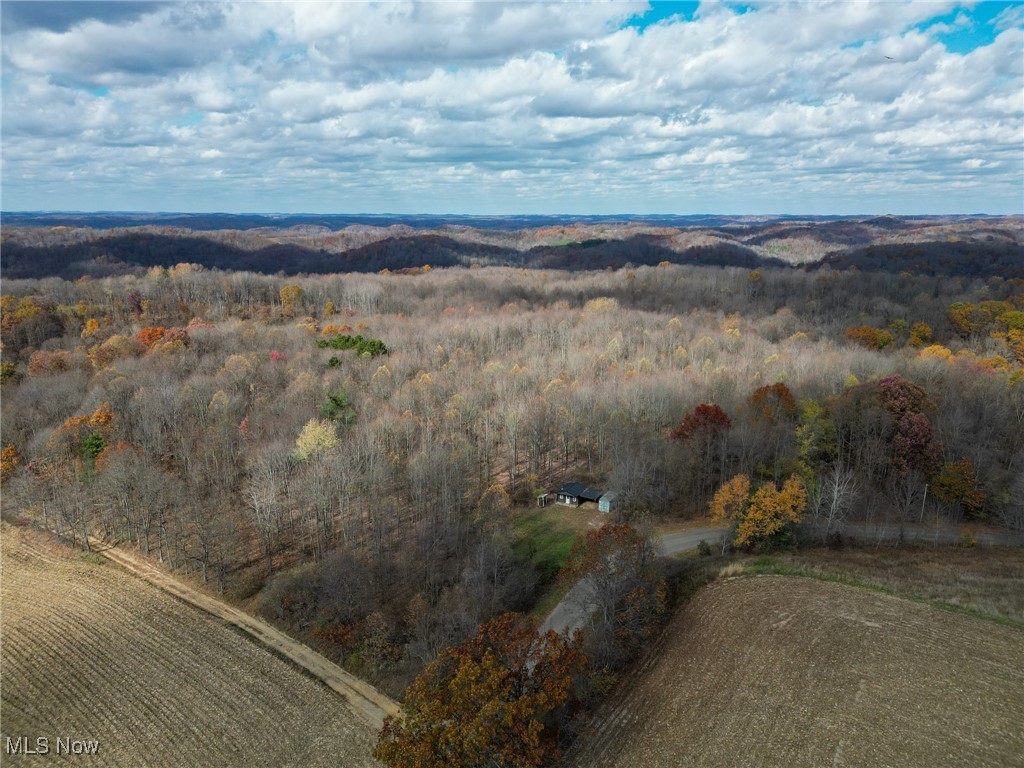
point(607, 502)
point(574, 494)
point(569, 494)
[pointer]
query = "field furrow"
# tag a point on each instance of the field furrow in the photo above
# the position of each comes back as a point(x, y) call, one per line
point(90, 652)
point(780, 671)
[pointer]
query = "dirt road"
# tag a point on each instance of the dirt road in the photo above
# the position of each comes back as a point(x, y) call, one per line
point(572, 611)
point(365, 700)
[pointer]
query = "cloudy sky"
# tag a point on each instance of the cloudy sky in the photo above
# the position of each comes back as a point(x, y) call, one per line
point(489, 108)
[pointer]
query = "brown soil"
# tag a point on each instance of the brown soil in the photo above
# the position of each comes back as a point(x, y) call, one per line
point(92, 652)
point(792, 672)
point(364, 700)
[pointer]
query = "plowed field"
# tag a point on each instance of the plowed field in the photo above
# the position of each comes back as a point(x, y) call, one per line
point(92, 653)
point(793, 672)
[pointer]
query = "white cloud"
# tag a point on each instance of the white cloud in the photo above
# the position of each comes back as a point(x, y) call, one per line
point(1011, 17)
point(341, 106)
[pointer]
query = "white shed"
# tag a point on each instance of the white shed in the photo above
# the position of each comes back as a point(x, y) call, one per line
point(606, 502)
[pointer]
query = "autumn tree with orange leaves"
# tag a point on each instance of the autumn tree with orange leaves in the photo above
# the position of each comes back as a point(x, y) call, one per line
point(150, 336)
point(505, 697)
point(9, 461)
point(729, 504)
point(866, 336)
point(771, 403)
point(771, 509)
point(760, 516)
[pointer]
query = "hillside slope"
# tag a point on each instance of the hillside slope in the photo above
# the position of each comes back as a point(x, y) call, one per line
point(92, 653)
point(779, 671)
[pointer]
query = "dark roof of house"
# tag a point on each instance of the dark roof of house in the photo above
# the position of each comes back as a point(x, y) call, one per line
point(573, 489)
point(591, 494)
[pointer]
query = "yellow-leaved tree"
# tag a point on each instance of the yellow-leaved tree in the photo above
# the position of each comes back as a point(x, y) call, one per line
point(770, 509)
point(290, 295)
point(9, 461)
point(317, 438)
point(756, 517)
point(729, 505)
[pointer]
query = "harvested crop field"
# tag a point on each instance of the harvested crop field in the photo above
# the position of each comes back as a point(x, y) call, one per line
point(787, 671)
point(90, 652)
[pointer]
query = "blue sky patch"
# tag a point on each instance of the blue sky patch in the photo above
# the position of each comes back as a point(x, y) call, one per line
point(193, 118)
point(662, 11)
point(686, 11)
point(969, 28)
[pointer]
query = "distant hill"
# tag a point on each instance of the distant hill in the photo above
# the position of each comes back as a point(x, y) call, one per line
point(35, 245)
point(970, 259)
point(336, 222)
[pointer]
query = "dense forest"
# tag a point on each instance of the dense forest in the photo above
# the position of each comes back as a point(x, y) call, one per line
point(353, 449)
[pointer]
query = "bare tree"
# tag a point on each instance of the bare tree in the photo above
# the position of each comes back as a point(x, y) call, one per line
point(831, 499)
point(263, 492)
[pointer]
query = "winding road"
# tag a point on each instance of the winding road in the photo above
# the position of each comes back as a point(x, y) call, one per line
point(571, 613)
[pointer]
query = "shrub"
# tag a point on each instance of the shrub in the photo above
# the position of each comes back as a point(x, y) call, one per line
point(43, 363)
point(291, 596)
point(370, 347)
point(245, 585)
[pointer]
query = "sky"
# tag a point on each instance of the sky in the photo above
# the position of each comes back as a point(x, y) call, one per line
point(867, 106)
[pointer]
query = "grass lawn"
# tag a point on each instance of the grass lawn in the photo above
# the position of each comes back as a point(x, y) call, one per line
point(544, 537)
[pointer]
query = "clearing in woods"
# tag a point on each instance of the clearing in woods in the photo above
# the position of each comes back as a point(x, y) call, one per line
point(90, 652)
point(786, 671)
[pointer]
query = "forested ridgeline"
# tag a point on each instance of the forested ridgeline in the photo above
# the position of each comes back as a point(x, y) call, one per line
point(980, 247)
point(132, 252)
point(353, 448)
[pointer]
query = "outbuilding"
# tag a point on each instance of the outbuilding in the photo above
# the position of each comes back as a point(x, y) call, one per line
point(607, 502)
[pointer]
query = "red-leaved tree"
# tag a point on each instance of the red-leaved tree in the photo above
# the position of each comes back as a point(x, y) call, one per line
point(703, 433)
